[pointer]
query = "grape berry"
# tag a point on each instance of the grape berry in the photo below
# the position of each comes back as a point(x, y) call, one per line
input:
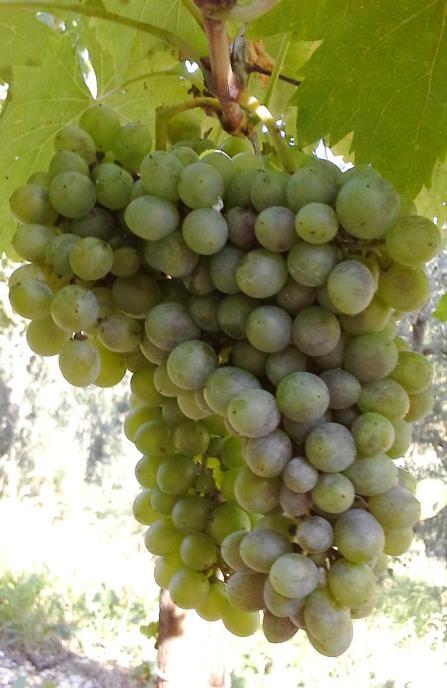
point(257, 313)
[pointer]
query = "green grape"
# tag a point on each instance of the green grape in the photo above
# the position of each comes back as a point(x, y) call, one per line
point(241, 227)
point(374, 318)
point(30, 204)
point(97, 223)
point(162, 503)
point(165, 568)
point(146, 471)
point(221, 162)
point(367, 207)
point(256, 494)
point(293, 504)
point(190, 363)
point(132, 142)
point(142, 386)
point(302, 397)
point(351, 287)
point(267, 456)
point(72, 194)
point(248, 160)
point(205, 231)
point(404, 288)
point(325, 619)
point(379, 566)
point(245, 591)
point(359, 536)
point(200, 185)
point(135, 361)
point(91, 258)
point(102, 123)
point(346, 416)
point(344, 388)
point(191, 514)
point(137, 417)
point(240, 623)
point(198, 281)
point(268, 328)
point(113, 186)
point(232, 452)
point(160, 172)
point(74, 308)
point(231, 553)
point(385, 397)
point(413, 371)
point(176, 474)
point(299, 475)
point(162, 539)
point(397, 540)
point(163, 383)
point(78, 141)
point(31, 298)
point(119, 333)
point(277, 630)
point(315, 182)
point(186, 155)
point(314, 534)
point(279, 605)
point(402, 439)
point(31, 241)
point(215, 604)
point(45, 338)
point(152, 352)
point(184, 125)
point(233, 312)
point(171, 413)
point(260, 549)
point(413, 240)
point(154, 438)
point(281, 363)
point(371, 357)
point(310, 265)
point(352, 585)
point(238, 193)
point(189, 407)
point(330, 447)
point(269, 189)
point(232, 145)
point(333, 493)
point(191, 438)
point(204, 311)
point(113, 367)
point(334, 359)
point(40, 177)
point(420, 406)
point(67, 161)
point(316, 223)
point(223, 268)
point(169, 324)
point(373, 433)
point(57, 254)
point(254, 413)
point(372, 475)
point(316, 331)
point(225, 519)
point(225, 383)
point(397, 508)
point(293, 297)
point(136, 295)
point(227, 486)
point(151, 218)
point(79, 362)
point(171, 255)
point(335, 646)
point(293, 575)
point(198, 551)
point(142, 509)
point(261, 273)
point(406, 480)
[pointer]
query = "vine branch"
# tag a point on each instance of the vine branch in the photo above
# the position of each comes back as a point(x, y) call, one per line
point(169, 37)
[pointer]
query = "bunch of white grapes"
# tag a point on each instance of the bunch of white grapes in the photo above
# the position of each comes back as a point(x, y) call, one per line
point(257, 312)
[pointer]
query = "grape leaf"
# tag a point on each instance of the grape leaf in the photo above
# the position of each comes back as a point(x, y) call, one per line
point(41, 100)
point(441, 309)
point(381, 72)
point(23, 38)
point(432, 202)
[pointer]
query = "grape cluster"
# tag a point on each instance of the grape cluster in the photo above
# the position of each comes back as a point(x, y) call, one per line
point(257, 312)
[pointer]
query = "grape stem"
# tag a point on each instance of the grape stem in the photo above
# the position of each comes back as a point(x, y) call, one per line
point(169, 37)
point(163, 115)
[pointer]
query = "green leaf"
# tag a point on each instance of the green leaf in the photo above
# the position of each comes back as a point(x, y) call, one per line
point(41, 100)
point(440, 311)
point(432, 202)
point(381, 73)
point(23, 38)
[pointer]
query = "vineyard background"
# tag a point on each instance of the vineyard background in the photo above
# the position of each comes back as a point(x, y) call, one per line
point(77, 600)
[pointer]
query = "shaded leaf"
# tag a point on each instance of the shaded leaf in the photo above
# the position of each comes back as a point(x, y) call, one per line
point(441, 309)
